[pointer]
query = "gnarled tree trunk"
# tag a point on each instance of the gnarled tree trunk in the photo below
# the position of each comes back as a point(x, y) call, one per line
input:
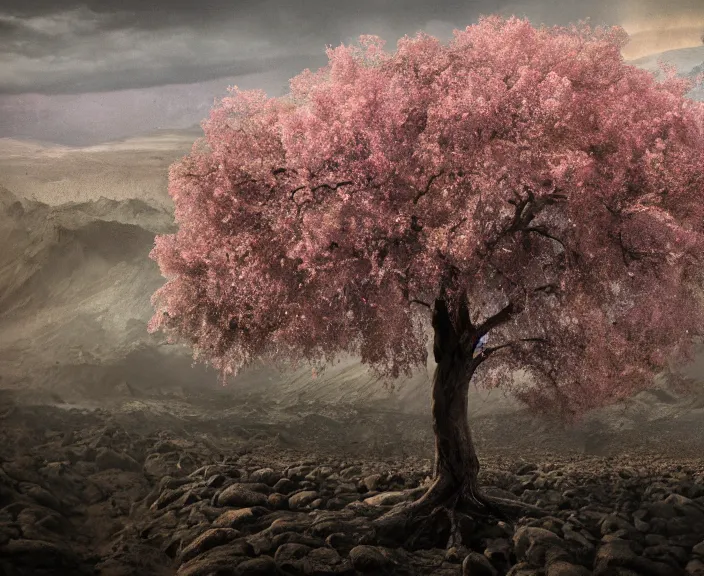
point(456, 463)
point(455, 485)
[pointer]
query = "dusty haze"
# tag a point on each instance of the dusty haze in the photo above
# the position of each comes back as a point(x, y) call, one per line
point(76, 226)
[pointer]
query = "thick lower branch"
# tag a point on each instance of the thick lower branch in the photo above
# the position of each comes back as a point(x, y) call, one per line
point(501, 317)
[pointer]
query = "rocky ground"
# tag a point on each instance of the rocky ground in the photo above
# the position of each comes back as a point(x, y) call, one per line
point(119, 492)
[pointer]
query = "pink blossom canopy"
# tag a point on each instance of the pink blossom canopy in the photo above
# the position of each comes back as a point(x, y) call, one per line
point(531, 169)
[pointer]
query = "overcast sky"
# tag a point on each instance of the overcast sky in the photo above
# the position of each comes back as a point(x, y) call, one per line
point(80, 73)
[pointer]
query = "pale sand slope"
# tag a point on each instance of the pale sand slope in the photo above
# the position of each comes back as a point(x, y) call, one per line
point(134, 168)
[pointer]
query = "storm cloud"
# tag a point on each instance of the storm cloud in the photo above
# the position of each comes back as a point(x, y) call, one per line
point(103, 45)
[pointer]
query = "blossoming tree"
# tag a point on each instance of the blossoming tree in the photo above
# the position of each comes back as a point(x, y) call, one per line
point(519, 186)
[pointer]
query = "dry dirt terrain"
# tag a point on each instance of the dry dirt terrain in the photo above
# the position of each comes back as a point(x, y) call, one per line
point(204, 484)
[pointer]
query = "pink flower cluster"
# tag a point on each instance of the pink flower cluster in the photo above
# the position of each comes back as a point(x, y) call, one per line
point(515, 164)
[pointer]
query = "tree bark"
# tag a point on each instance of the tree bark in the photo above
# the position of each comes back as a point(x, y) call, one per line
point(456, 464)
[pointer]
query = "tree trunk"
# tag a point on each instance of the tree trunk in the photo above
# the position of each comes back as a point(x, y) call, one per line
point(456, 463)
point(455, 485)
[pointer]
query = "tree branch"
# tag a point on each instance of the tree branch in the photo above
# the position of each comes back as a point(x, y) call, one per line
point(484, 354)
point(501, 317)
point(245, 181)
point(526, 211)
point(454, 228)
point(293, 192)
point(319, 186)
point(277, 171)
point(194, 175)
point(520, 205)
point(543, 232)
point(535, 207)
point(613, 211)
point(332, 187)
point(313, 190)
point(422, 193)
point(547, 288)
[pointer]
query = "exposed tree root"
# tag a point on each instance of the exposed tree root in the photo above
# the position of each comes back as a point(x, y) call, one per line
point(516, 509)
point(404, 522)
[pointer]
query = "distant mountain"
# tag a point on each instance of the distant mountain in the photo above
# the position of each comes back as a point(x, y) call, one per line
point(75, 289)
point(75, 283)
point(132, 168)
point(689, 62)
point(685, 59)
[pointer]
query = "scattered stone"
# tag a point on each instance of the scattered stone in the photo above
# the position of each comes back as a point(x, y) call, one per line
point(209, 539)
point(43, 497)
point(237, 518)
point(240, 495)
point(563, 568)
point(532, 544)
point(25, 556)
point(106, 458)
point(619, 553)
point(158, 465)
point(476, 564)
point(261, 566)
point(371, 482)
point(370, 560)
point(108, 499)
point(266, 476)
point(695, 568)
point(302, 499)
point(284, 486)
point(277, 501)
point(698, 549)
point(222, 560)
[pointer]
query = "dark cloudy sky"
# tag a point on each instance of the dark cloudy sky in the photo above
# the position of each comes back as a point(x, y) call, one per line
point(80, 73)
